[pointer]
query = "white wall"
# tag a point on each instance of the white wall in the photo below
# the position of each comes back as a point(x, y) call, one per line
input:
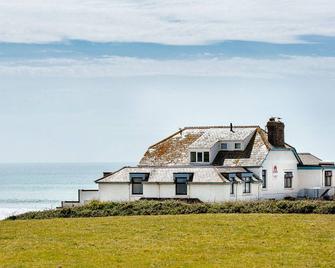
point(210, 192)
point(114, 192)
point(310, 178)
point(285, 161)
point(88, 195)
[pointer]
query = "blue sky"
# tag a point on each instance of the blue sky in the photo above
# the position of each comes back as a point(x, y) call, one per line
point(87, 81)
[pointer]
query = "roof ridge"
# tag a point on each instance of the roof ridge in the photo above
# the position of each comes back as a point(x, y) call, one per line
point(207, 127)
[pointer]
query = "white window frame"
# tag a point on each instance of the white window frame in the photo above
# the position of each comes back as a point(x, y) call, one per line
point(238, 149)
point(226, 145)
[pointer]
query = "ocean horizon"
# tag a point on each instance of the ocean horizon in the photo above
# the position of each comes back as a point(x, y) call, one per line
point(39, 186)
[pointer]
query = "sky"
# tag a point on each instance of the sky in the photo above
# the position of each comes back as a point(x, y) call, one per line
point(100, 81)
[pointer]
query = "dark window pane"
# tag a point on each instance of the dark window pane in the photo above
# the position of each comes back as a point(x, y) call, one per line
point(238, 146)
point(181, 188)
point(224, 146)
point(137, 188)
point(246, 187)
point(328, 178)
point(199, 156)
point(264, 177)
point(232, 188)
point(193, 157)
point(288, 179)
point(206, 157)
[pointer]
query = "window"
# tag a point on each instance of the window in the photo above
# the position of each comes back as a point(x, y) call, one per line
point(199, 156)
point(137, 185)
point(288, 177)
point(232, 187)
point(238, 146)
point(224, 146)
point(264, 177)
point(193, 157)
point(328, 178)
point(247, 186)
point(206, 157)
point(181, 185)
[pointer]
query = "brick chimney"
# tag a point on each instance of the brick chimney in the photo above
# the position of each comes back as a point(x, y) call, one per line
point(276, 132)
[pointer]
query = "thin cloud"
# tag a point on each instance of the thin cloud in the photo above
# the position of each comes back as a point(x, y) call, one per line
point(164, 21)
point(214, 67)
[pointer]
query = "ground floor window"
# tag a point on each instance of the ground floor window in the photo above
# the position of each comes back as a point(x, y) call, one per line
point(264, 178)
point(181, 185)
point(232, 188)
point(328, 178)
point(137, 185)
point(247, 186)
point(288, 178)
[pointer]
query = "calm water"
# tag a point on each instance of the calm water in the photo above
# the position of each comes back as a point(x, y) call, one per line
point(25, 187)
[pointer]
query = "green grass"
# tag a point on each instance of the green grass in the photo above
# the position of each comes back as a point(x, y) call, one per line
point(206, 240)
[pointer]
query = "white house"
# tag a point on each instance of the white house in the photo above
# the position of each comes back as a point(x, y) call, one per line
point(216, 164)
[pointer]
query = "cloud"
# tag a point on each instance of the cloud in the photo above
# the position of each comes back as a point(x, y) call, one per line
point(164, 21)
point(296, 66)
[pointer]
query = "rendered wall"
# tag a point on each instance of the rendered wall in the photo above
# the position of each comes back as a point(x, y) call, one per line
point(88, 195)
point(283, 161)
point(114, 192)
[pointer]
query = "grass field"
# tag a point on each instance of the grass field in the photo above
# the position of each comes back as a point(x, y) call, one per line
point(221, 240)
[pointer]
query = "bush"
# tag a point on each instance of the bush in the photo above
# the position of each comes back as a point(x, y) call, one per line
point(174, 207)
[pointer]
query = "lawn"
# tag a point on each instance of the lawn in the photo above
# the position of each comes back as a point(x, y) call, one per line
point(220, 240)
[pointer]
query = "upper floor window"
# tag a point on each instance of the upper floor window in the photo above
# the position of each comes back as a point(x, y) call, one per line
point(328, 178)
point(193, 157)
point(206, 157)
point(224, 146)
point(264, 178)
point(288, 178)
point(238, 146)
point(199, 157)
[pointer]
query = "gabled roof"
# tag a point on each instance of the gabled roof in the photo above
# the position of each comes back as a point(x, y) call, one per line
point(174, 150)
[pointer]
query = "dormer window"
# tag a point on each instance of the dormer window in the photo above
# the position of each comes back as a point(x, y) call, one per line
point(193, 157)
point(224, 146)
point(238, 146)
point(206, 157)
point(199, 157)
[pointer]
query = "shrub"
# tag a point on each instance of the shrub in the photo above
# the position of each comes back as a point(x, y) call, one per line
point(173, 207)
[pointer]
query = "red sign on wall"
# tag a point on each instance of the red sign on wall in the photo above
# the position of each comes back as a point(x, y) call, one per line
point(275, 170)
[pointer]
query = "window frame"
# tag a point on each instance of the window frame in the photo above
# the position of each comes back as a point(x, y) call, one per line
point(328, 178)
point(205, 158)
point(195, 157)
point(201, 158)
point(222, 147)
point(288, 179)
point(236, 147)
point(247, 181)
point(231, 178)
point(181, 179)
point(264, 179)
point(137, 181)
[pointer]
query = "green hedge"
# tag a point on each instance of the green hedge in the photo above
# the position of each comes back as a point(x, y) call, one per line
point(173, 207)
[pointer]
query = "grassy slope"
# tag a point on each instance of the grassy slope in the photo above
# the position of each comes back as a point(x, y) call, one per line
point(232, 240)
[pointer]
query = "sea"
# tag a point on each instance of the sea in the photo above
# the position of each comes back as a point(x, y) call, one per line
point(39, 186)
